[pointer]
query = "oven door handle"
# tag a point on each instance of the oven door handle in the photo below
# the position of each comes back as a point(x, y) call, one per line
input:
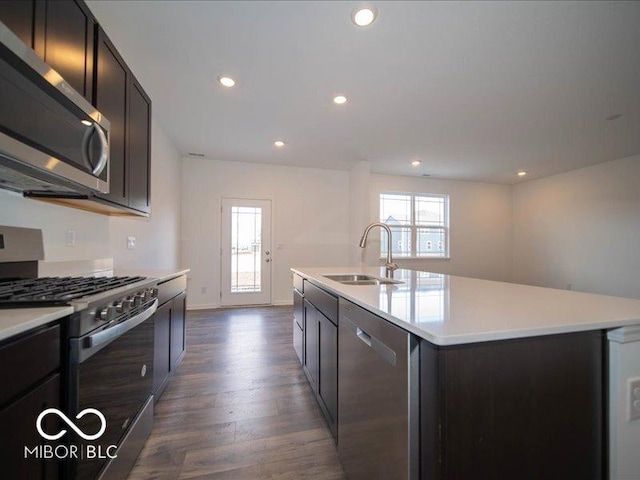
point(83, 348)
point(121, 328)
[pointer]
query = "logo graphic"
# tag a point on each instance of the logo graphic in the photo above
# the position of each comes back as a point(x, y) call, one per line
point(103, 423)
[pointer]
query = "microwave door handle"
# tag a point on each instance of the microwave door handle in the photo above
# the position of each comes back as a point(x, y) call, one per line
point(104, 149)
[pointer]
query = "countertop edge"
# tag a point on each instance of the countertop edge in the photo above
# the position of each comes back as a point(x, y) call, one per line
point(35, 318)
point(468, 338)
point(159, 275)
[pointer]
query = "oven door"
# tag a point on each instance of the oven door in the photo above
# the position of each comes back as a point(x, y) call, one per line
point(113, 375)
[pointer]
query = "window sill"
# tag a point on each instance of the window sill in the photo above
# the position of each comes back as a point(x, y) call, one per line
point(399, 259)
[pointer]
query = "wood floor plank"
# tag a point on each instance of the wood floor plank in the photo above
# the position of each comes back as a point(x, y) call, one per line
point(239, 406)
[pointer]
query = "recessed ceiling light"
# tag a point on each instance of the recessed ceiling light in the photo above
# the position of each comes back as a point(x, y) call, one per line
point(415, 163)
point(279, 143)
point(86, 122)
point(522, 173)
point(363, 17)
point(226, 81)
point(340, 99)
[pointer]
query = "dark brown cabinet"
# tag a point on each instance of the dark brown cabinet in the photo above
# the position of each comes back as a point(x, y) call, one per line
point(111, 100)
point(170, 331)
point(24, 396)
point(18, 16)
point(178, 329)
point(161, 344)
point(60, 32)
point(123, 101)
point(66, 42)
point(298, 324)
point(527, 408)
point(320, 353)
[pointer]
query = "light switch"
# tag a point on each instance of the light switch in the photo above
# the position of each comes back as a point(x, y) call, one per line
point(131, 243)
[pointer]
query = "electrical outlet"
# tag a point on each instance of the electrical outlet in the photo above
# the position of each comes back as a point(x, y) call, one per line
point(71, 238)
point(203, 290)
point(131, 243)
point(634, 398)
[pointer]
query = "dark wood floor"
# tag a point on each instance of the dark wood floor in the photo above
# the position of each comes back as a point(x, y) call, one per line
point(239, 406)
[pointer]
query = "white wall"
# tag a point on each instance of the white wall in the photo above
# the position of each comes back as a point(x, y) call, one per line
point(480, 225)
point(310, 216)
point(359, 217)
point(100, 236)
point(580, 228)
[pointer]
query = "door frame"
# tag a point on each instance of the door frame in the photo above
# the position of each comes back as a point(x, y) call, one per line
point(225, 294)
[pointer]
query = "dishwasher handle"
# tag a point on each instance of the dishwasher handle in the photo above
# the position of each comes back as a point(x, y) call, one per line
point(388, 354)
point(364, 336)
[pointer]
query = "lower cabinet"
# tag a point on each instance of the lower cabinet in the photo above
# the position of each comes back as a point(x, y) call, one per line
point(161, 345)
point(30, 379)
point(178, 329)
point(320, 361)
point(527, 408)
point(170, 333)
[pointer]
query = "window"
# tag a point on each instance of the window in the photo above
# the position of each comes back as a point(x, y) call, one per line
point(419, 224)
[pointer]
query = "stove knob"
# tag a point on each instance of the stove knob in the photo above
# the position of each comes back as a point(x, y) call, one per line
point(148, 295)
point(123, 306)
point(108, 313)
point(138, 299)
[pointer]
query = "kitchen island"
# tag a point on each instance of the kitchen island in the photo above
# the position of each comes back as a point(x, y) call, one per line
point(504, 380)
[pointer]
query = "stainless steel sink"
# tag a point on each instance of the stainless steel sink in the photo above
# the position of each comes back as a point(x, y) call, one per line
point(359, 279)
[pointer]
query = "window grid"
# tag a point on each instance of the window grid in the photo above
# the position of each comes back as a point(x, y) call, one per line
point(427, 225)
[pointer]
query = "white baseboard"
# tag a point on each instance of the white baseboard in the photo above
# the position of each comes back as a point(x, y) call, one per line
point(202, 306)
point(282, 303)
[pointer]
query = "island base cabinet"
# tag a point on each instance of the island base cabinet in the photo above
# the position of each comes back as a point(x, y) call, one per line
point(520, 409)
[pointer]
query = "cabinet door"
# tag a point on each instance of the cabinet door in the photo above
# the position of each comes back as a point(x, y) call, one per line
point(111, 101)
point(139, 141)
point(178, 329)
point(18, 427)
point(311, 344)
point(68, 43)
point(18, 17)
point(162, 335)
point(328, 371)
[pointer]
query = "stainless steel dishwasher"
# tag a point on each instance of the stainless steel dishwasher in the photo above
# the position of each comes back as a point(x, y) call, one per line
point(378, 399)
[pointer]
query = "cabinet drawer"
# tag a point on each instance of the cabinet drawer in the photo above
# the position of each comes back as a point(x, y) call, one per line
point(298, 283)
point(27, 360)
point(169, 289)
point(323, 301)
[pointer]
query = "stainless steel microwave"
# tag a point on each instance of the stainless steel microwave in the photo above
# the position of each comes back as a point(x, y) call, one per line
point(52, 141)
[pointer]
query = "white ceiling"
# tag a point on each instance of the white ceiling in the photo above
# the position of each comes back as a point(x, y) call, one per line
point(476, 91)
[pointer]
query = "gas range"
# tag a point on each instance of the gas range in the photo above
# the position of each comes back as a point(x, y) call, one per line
point(98, 302)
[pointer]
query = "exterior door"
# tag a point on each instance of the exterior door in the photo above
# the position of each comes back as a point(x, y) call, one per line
point(245, 252)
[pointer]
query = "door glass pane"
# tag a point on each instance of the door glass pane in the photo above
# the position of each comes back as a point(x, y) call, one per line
point(246, 226)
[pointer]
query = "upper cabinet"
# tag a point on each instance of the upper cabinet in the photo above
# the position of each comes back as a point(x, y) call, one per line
point(19, 16)
point(60, 32)
point(123, 101)
point(67, 37)
point(64, 33)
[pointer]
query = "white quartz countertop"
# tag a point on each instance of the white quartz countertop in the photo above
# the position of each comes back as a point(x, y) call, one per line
point(160, 275)
point(450, 310)
point(19, 320)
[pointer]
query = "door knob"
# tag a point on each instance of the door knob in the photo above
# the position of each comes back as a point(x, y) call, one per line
point(267, 260)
